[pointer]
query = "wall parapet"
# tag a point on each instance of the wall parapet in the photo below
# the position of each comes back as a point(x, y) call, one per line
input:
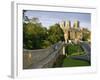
point(39, 56)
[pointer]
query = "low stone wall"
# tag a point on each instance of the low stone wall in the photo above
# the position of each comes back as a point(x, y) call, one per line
point(38, 58)
point(81, 57)
point(27, 60)
point(55, 55)
point(87, 55)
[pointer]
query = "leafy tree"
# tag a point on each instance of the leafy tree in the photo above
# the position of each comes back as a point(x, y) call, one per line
point(86, 34)
point(25, 17)
point(45, 44)
point(34, 36)
point(55, 34)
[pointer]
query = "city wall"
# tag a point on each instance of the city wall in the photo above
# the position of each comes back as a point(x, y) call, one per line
point(41, 57)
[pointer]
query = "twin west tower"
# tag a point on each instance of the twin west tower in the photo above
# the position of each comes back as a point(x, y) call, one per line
point(73, 33)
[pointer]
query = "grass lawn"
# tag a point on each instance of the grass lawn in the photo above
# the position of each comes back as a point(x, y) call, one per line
point(71, 50)
point(74, 49)
point(68, 62)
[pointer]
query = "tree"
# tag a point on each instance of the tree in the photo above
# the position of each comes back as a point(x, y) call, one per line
point(34, 35)
point(86, 34)
point(34, 20)
point(25, 18)
point(55, 34)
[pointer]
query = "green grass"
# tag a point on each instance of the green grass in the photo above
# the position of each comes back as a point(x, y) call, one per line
point(68, 62)
point(74, 49)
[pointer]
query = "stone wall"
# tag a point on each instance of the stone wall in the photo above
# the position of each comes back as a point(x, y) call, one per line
point(53, 59)
point(39, 58)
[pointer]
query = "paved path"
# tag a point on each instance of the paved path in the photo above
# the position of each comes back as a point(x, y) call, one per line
point(86, 48)
point(48, 60)
point(87, 55)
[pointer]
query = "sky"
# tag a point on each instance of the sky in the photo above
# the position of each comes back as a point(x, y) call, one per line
point(48, 18)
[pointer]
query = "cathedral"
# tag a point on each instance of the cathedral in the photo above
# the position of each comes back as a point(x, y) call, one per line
point(73, 33)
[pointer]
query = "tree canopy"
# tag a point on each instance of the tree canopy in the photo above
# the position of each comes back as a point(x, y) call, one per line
point(55, 34)
point(35, 36)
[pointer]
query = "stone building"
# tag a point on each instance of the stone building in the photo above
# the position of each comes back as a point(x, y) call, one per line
point(71, 33)
point(76, 24)
point(66, 26)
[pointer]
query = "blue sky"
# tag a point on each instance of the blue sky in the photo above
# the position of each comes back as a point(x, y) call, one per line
point(48, 18)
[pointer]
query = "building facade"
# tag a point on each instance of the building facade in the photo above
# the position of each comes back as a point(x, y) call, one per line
point(71, 33)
